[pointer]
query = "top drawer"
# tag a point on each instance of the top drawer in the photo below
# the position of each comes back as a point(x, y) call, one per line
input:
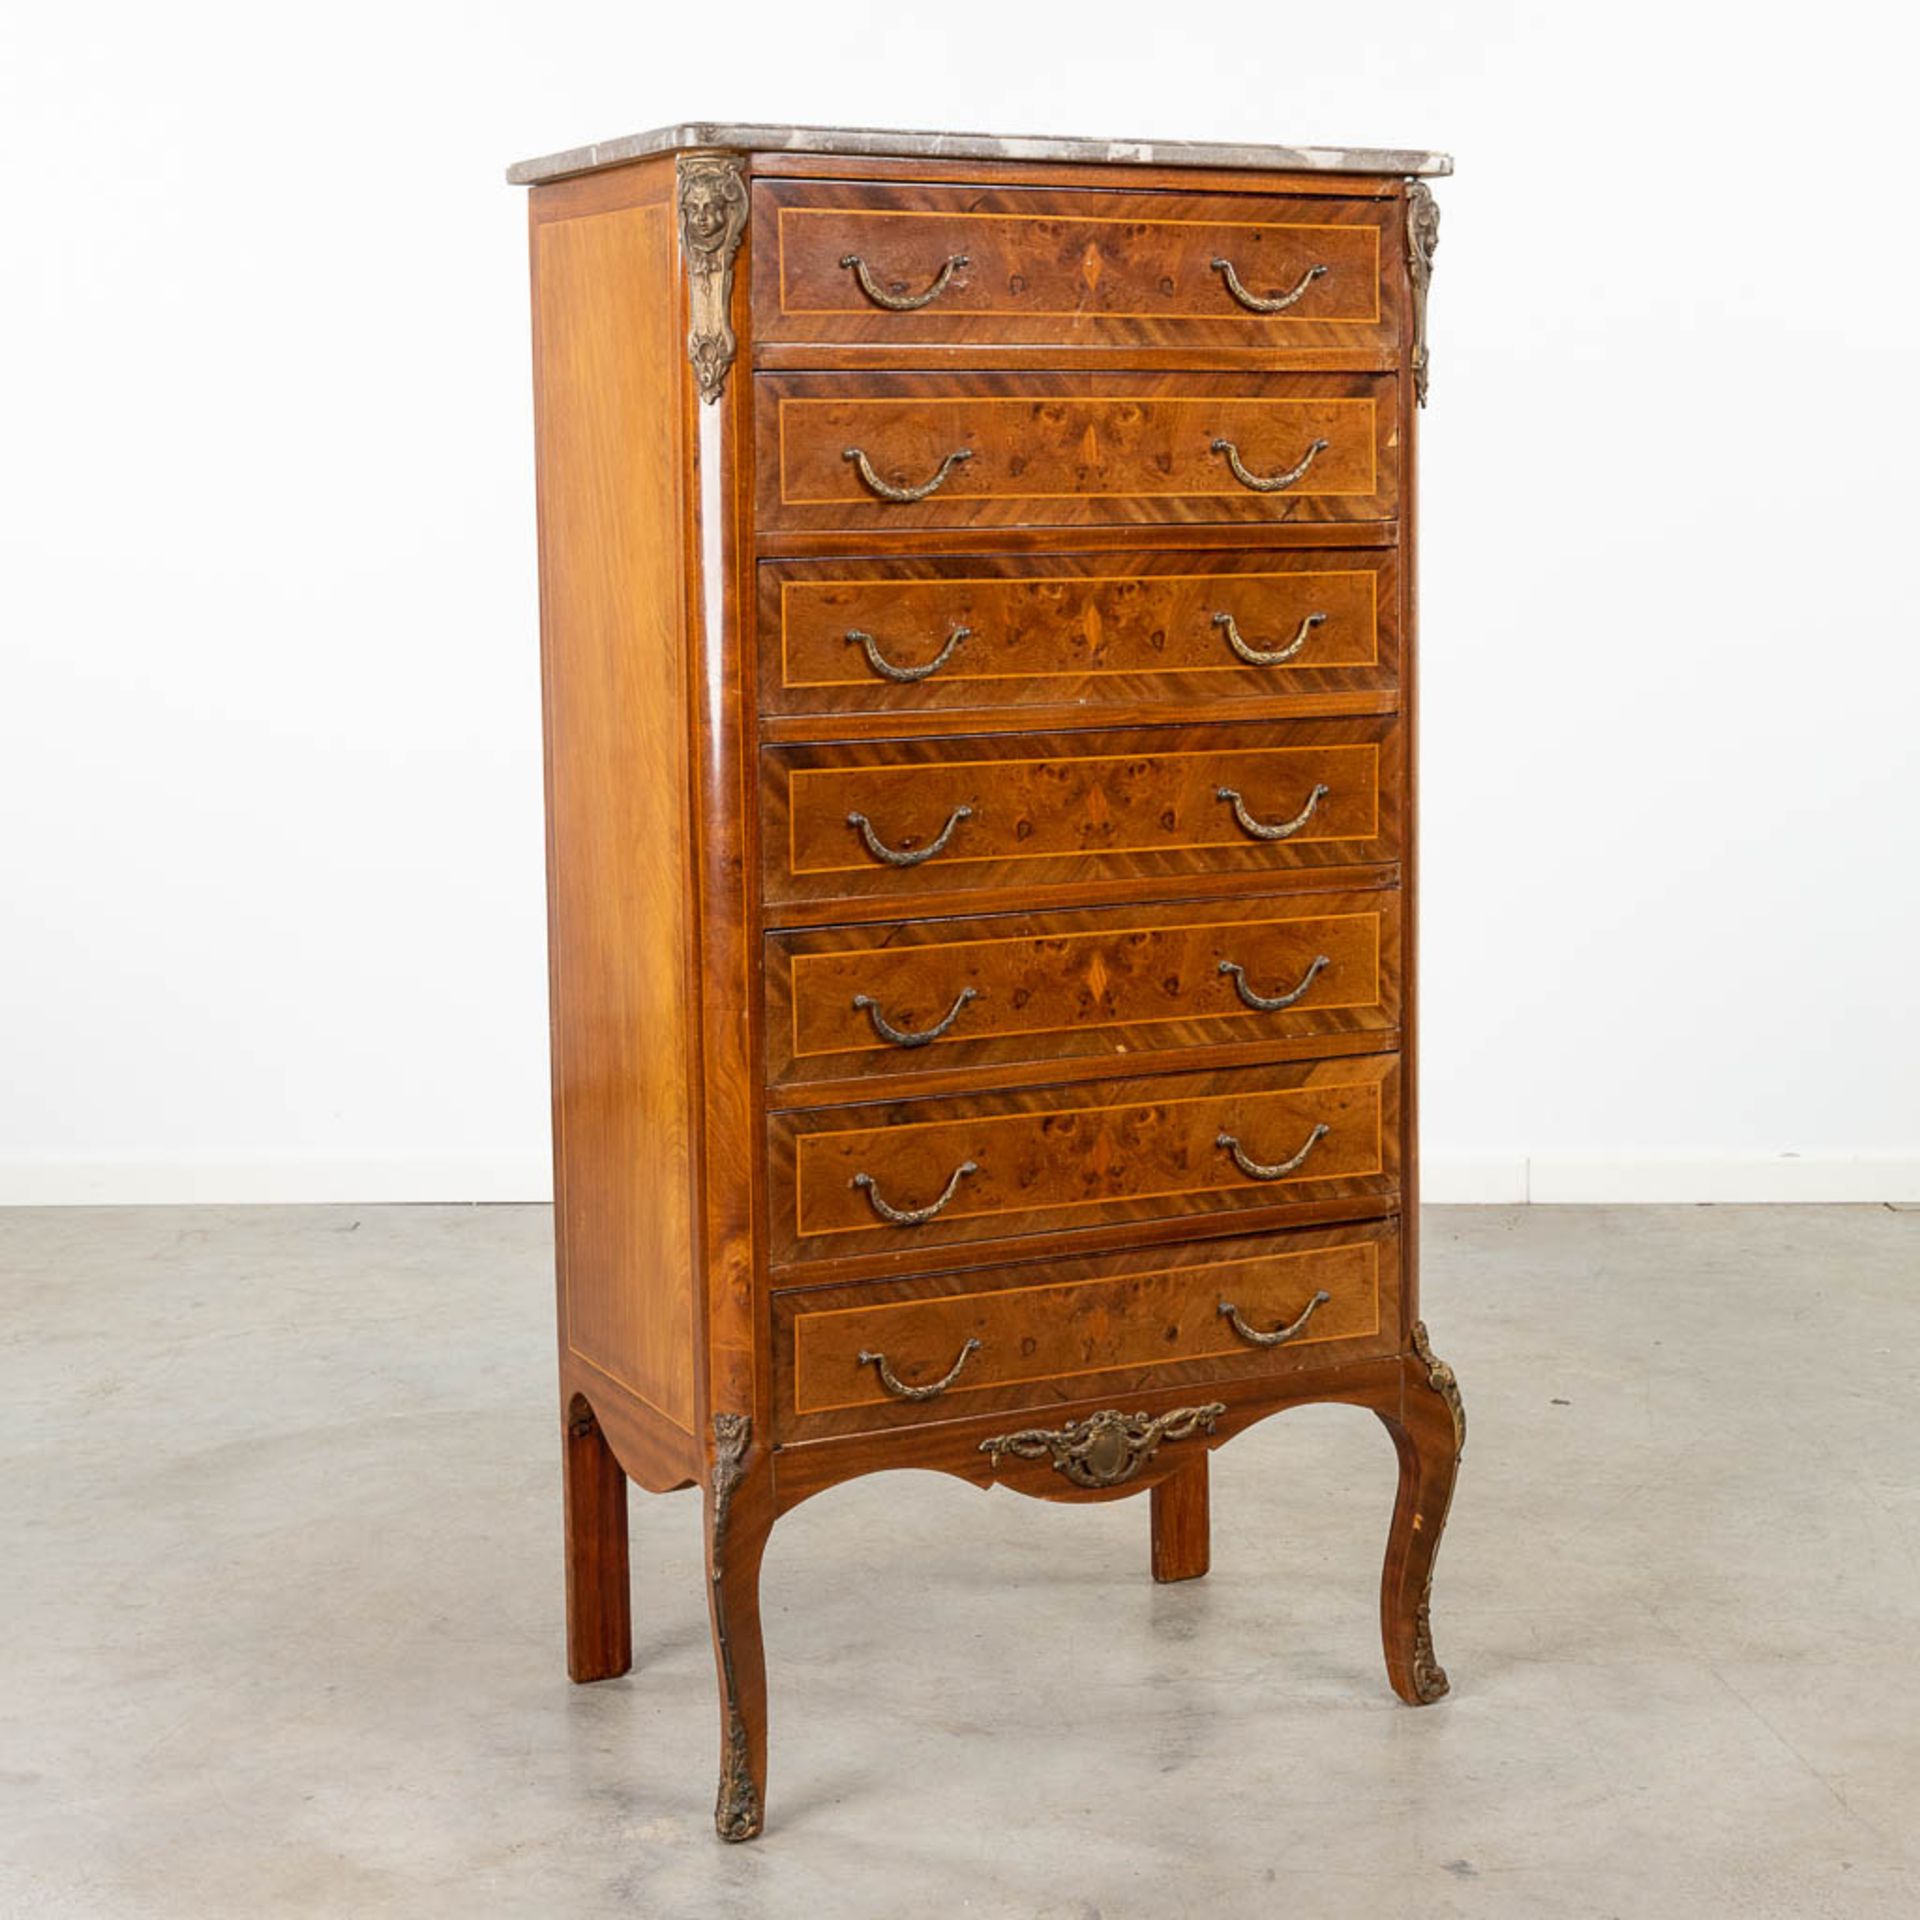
point(874, 264)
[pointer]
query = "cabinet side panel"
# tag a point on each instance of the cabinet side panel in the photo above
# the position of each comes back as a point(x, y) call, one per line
point(613, 619)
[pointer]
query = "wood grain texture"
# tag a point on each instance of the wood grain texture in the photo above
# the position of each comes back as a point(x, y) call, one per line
point(1410, 841)
point(611, 467)
point(803, 1468)
point(1045, 810)
point(901, 542)
point(1113, 984)
point(1181, 1528)
point(599, 1590)
point(1059, 1330)
point(1082, 631)
point(1097, 1154)
point(719, 724)
point(1051, 267)
point(1066, 449)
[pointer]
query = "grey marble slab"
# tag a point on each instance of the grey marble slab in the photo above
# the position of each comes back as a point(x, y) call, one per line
point(975, 146)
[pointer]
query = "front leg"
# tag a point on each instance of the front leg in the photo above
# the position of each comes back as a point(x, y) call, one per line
point(739, 1515)
point(1429, 1429)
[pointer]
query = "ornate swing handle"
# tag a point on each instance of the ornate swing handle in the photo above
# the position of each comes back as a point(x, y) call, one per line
point(902, 1036)
point(912, 1216)
point(1259, 1002)
point(1253, 1336)
point(1279, 829)
point(906, 302)
point(1253, 655)
point(1255, 1171)
point(934, 1388)
point(881, 851)
point(1262, 483)
point(1252, 301)
point(904, 496)
point(907, 676)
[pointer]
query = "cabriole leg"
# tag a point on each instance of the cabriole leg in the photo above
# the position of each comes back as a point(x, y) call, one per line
point(599, 1599)
point(1429, 1432)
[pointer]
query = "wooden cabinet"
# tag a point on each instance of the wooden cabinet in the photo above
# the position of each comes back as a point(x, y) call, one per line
point(977, 614)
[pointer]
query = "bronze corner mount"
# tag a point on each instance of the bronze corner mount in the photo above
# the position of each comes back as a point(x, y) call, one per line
point(713, 220)
point(1441, 1378)
point(1423, 239)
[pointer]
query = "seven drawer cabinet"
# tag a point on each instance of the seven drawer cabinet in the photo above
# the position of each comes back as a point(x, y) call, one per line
point(978, 639)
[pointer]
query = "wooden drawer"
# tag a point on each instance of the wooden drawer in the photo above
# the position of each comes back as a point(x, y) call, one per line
point(876, 263)
point(1063, 449)
point(892, 821)
point(884, 1001)
point(993, 633)
point(853, 1180)
point(1044, 1333)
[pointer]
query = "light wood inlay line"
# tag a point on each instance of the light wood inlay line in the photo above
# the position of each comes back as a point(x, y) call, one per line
point(1213, 408)
point(1228, 309)
point(820, 962)
point(955, 673)
point(1371, 1110)
point(1366, 1255)
point(607, 1373)
point(1228, 836)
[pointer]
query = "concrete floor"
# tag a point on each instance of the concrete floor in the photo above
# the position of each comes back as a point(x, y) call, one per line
point(280, 1609)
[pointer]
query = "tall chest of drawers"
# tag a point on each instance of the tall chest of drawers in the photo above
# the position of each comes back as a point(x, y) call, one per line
point(977, 598)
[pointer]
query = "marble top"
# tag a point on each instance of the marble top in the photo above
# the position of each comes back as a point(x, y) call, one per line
point(975, 146)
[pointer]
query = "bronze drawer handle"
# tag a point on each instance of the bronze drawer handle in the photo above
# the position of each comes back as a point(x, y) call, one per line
point(1255, 1171)
point(1279, 829)
point(1252, 1335)
point(901, 1036)
point(1252, 655)
point(907, 676)
point(912, 1216)
point(1252, 301)
point(1258, 1002)
point(881, 851)
point(1263, 483)
point(1108, 1448)
point(934, 1388)
point(906, 302)
point(903, 496)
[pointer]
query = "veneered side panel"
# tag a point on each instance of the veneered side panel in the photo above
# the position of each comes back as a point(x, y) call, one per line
point(613, 471)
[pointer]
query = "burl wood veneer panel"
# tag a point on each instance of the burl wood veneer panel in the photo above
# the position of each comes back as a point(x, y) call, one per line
point(898, 1000)
point(892, 821)
point(986, 636)
point(875, 263)
point(982, 1167)
point(1065, 449)
point(1059, 1330)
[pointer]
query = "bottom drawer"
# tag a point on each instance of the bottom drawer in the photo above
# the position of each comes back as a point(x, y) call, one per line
point(867, 1356)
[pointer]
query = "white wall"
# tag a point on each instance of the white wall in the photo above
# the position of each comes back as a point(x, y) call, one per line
point(271, 909)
